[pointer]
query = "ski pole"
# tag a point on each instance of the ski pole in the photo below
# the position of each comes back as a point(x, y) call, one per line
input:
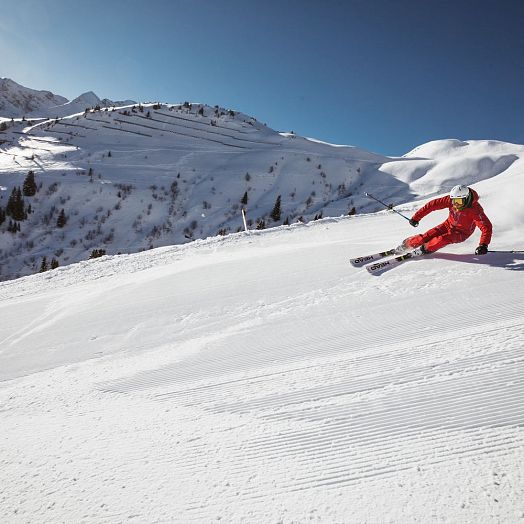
point(510, 251)
point(390, 206)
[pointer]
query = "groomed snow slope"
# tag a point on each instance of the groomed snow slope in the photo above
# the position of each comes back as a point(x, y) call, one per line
point(260, 378)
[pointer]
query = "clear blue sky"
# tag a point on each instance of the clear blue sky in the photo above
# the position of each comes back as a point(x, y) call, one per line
point(382, 75)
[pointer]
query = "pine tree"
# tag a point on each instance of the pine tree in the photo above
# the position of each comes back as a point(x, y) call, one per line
point(11, 203)
point(2, 215)
point(15, 205)
point(61, 221)
point(29, 186)
point(275, 214)
point(54, 263)
point(244, 199)
point(43, 266)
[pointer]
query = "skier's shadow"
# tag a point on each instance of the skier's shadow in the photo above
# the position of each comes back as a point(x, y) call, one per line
point(511, 261)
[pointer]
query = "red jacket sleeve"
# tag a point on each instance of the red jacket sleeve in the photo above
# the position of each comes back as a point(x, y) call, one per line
point(484, 224)
point(432, 205)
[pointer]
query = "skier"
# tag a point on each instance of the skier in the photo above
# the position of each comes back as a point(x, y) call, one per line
point(465, 213)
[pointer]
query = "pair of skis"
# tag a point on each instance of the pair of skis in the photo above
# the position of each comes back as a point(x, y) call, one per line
point(377, 263)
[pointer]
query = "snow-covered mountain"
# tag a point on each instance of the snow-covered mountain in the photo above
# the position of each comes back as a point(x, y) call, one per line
point(81, 103)
point(126, 179)
point(17, 101)
point(260, 378)
point(159, 174)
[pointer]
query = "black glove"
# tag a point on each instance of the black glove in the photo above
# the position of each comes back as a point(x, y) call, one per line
point(481, 250)
point(413, 222)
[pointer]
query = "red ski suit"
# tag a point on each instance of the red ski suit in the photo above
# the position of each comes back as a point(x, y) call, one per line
point(458, 226)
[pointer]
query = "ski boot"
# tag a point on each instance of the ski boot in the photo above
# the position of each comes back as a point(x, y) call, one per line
point(409, 244)
point(419, 251)
point(412, 245)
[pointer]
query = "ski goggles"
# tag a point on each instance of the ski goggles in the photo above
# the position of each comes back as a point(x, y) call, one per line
point(458, 202)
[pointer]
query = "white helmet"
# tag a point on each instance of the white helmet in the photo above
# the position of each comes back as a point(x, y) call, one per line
point(460, 196)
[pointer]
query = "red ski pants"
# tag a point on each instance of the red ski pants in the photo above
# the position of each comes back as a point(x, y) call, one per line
point(438, 237)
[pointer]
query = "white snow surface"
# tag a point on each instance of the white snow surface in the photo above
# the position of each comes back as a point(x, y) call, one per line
point(260, 378)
